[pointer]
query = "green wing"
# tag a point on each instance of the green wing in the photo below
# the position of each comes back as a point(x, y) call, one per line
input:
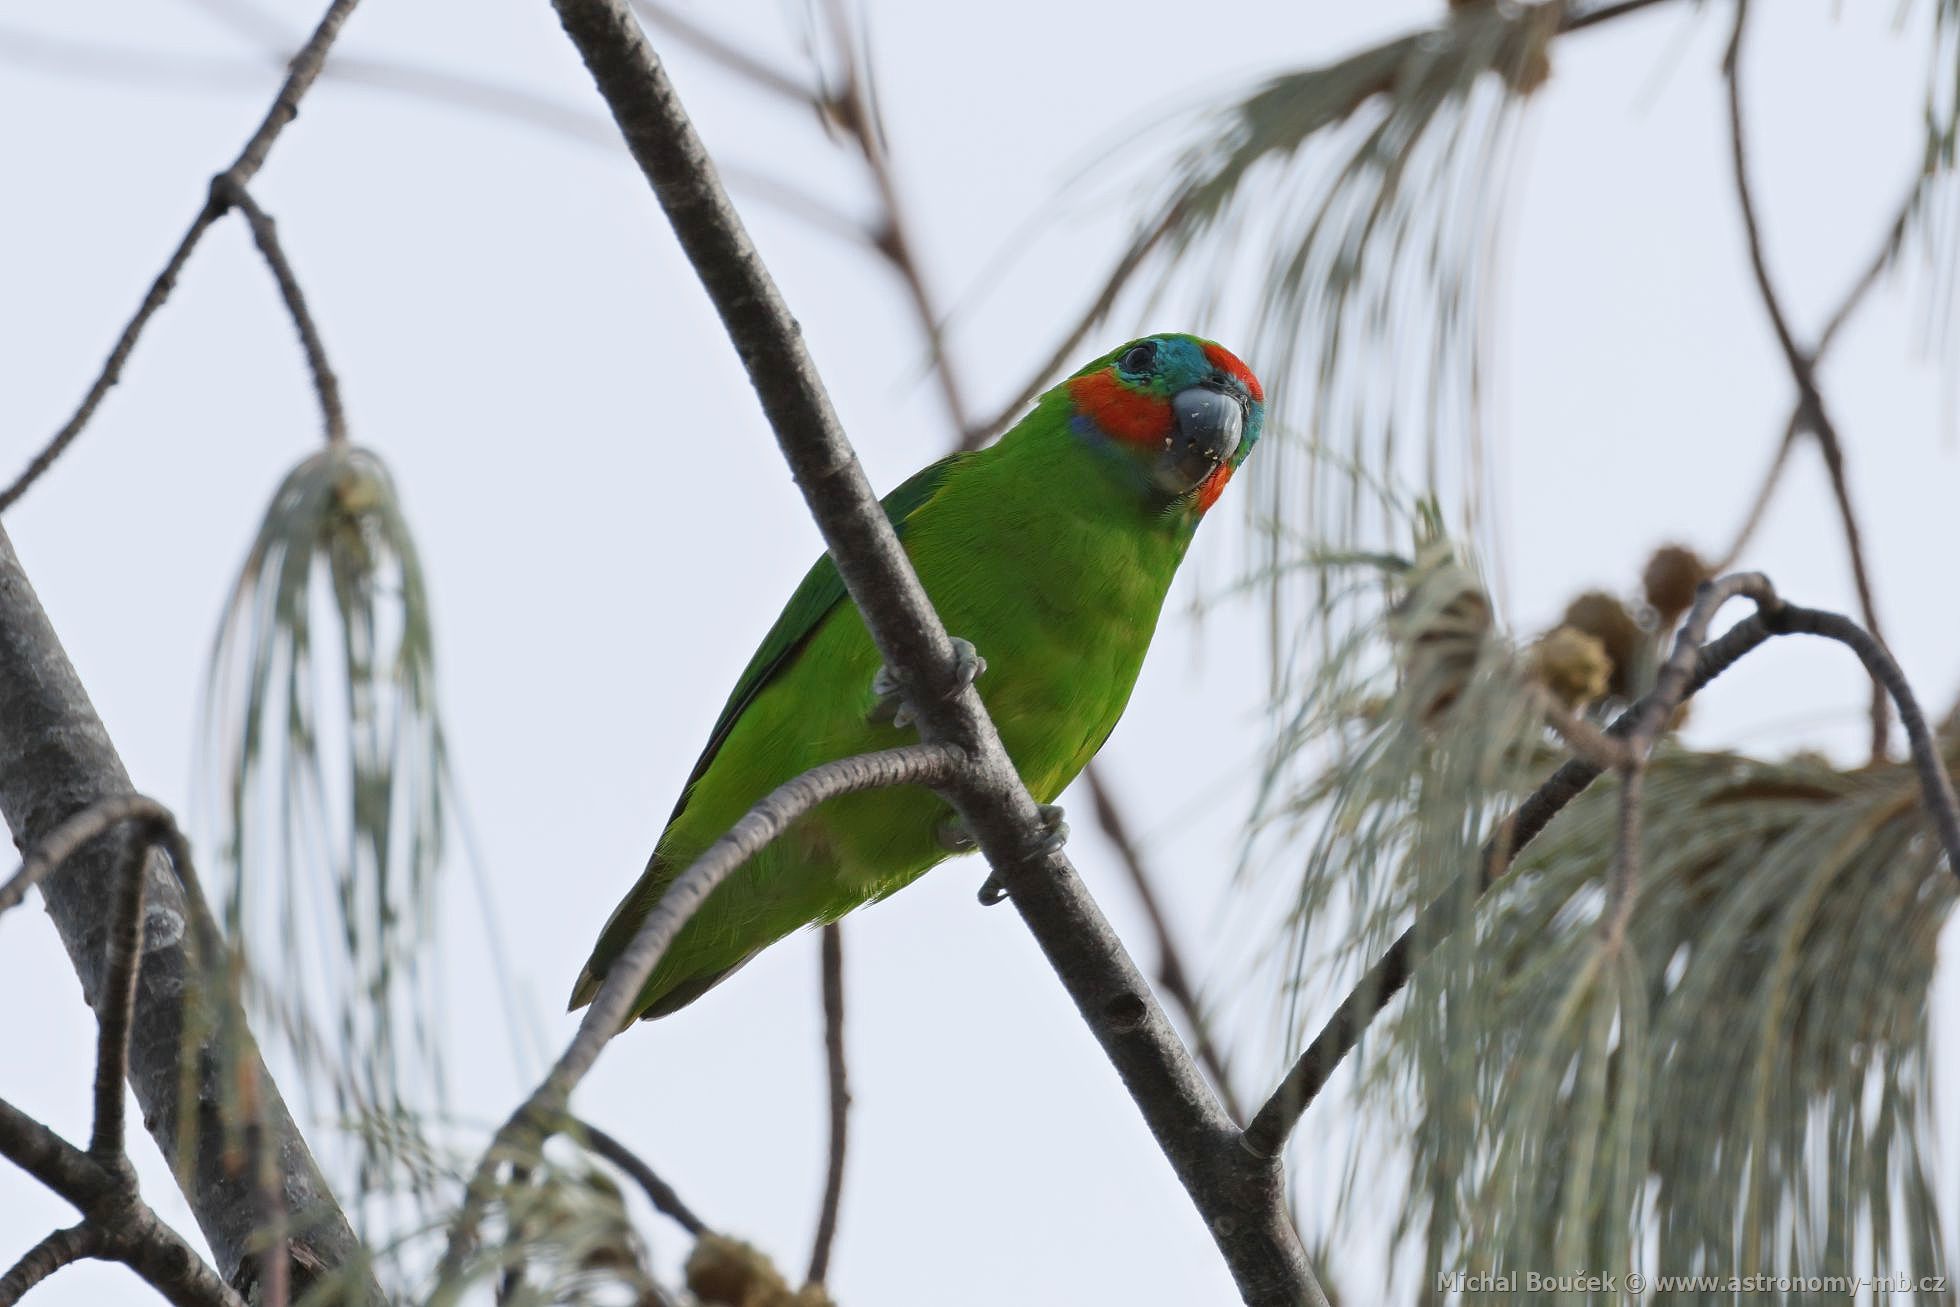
point(822, 589)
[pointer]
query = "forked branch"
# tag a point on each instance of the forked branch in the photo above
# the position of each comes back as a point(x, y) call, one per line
point(117, 1225)
point(61, 788)
point(837, 1076)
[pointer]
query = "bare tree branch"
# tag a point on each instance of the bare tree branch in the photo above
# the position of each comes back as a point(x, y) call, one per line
point(117, 1007)
point(850, 105)
point(61, 1248)
point(1935, 785)
point(304, 70)
point(1855, 297)
point(658, 1191)
point(1172, 977)
point(543, 1112)
point(67, 839)
point(751, 69)
point(1671, 687)
point(265, 234)
point(1580, 735)
point(1240, 1197)
point(1765, 492)
point(840, 1101)
point(1811, 415)
point(123, 1226)
point(56, 761)
point(1141, 247)
point(49, 1158)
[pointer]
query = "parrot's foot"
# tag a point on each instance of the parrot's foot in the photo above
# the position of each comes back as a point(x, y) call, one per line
point(888, 704)
point(1054, 836)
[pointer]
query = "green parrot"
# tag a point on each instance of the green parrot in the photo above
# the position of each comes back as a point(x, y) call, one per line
point(1049, 553)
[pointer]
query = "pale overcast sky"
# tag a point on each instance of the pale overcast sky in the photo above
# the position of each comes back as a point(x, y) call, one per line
point(607, 526)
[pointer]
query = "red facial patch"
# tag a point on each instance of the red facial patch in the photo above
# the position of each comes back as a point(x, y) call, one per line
point(1225, 361)
point(1128, 415)
point(1214, 485)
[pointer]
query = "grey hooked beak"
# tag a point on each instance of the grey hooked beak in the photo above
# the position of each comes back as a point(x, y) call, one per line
point(1206, 428)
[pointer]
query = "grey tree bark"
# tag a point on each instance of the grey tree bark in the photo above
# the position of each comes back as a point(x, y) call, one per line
point(55, 760)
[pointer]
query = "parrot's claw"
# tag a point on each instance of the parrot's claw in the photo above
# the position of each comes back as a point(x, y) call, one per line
point(888, 702)
point(1054, 836)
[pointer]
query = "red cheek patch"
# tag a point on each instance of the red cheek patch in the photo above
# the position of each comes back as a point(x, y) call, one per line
point(1213, 486)
point(1128, 415)
point(1225, 361)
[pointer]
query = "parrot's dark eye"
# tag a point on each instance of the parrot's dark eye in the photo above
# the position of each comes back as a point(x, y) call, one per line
point(1137, 359)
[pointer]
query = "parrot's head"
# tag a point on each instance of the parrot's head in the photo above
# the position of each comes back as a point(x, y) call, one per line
point(1178, 413)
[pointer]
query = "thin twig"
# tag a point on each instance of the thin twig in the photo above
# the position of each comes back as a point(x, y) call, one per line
point(757, 72)
point(658, 1191)
point(1935, 785)
point(1812, 415)
point(72, 835)
point(1672, 682)
point(1623, 877)
point(510, 1280)
point(1671, 688)
point(1765, 492)
point(61, 1248)
point(837, 1075)
point(49, 1158)
point(542, 1113)
point(1239, 1198)
point(303, 71)
point(115, 1005)
point(850, 107)
point(1861, 287)
point(265, 234)
point(1141, 247)
point(1860, 290)
point(1581, 736)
